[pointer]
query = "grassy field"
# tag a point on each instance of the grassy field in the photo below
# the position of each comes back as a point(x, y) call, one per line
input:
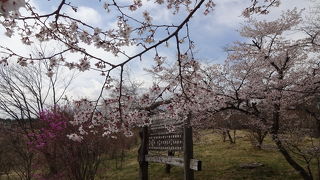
point(220, 160)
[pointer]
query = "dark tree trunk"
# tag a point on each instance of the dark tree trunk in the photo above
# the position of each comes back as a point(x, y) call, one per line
point(305, 175)
point(232, 140)
point(275, 137)
point(259, 136)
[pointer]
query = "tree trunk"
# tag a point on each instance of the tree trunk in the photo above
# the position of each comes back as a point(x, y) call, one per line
point(231, 140)
point(275, 137)
point(224, 136)
point(305, 175)
point(259, 137)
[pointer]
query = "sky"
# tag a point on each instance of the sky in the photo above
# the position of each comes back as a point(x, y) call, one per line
point(211, 34)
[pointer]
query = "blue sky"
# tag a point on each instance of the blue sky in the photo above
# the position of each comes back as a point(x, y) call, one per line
point(210, 33)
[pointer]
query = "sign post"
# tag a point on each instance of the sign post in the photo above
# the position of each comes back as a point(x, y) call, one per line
point(157, 137)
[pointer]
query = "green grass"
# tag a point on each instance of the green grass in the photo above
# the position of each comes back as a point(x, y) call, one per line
point(220, 160)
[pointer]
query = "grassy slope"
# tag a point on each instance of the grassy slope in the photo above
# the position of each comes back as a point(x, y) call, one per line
point(219, 161)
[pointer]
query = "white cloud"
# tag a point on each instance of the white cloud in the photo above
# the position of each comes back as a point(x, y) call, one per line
point(86, 14)
point(86, 85)
point(225, 18)
point(228, 13)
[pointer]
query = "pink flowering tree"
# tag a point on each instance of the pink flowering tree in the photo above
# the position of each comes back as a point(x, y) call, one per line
point(186, 89)
point(276, 73)
point(134, 27)
point(267, 79)
point(78, 158)
point(26, 91)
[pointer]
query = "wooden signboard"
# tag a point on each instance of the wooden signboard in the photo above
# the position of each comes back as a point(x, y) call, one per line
point(171, 136)
point(162, 139)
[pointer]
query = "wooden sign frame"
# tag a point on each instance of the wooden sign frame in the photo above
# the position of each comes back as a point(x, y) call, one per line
point(158, 137)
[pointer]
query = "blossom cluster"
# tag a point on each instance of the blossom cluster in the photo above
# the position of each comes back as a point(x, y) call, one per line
point(11, 7)
point(53, 126)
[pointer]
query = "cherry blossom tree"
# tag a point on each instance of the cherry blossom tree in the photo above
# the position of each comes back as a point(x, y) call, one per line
point(134, 27)
point(267, 79)
point(279, 73)
point(264, 79)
